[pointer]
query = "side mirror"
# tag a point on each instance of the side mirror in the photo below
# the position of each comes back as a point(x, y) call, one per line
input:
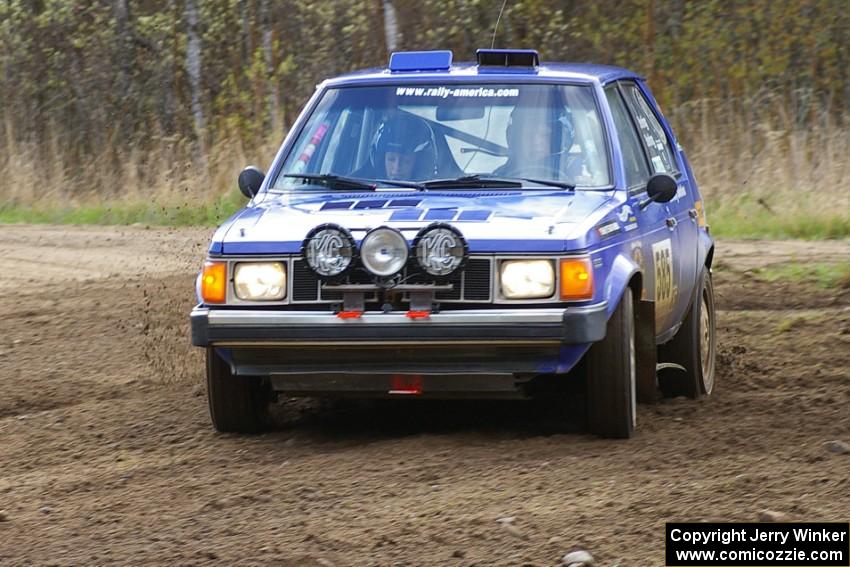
point(250, 180)
point(660, 188)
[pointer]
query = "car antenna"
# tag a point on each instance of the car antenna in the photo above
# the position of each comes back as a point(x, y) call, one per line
point(496, 27)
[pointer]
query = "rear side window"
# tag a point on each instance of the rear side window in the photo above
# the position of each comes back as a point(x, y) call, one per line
point(653, 136)
point(637, 170)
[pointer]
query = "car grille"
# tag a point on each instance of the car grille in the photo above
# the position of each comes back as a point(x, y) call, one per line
point(473, 283)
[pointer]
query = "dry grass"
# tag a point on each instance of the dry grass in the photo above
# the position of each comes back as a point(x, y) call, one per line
point(766, 167)
point(770, 167)
point(166, 172)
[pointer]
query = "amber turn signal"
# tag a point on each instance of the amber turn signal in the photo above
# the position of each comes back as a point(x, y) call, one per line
point(214, 282)
point(576, 279)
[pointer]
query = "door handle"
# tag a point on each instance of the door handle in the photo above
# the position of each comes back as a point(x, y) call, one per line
point(671, 222)
point(692, 213)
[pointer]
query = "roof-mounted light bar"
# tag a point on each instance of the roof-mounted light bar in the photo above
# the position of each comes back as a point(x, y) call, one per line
point(520, 59)
point(420, 61)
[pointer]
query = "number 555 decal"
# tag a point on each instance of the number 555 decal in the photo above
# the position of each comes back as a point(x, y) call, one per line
point(665, 280)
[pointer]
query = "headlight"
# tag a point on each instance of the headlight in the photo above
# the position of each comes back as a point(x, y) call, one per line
point(384, 251)
point(527, 279)
point(329, 250)
point(440, 249)
point(260, 281)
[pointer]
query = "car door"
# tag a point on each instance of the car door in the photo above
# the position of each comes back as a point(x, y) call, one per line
point(651, 251)
point(681, 220)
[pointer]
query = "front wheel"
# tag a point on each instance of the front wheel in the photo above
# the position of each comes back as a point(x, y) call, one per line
point(611, 395)
point(238, 404)
point(693, 347)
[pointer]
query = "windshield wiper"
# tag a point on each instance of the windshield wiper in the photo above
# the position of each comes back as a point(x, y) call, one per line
point(342, 182)
point(400, 183)
point(498, 181)
point(334, 181)
point(548, 182)
point(473, 182)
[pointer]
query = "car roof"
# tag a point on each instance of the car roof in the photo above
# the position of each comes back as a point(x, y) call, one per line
point(546, 72)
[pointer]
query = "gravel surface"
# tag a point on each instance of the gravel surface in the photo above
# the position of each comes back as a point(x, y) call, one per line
point(107, 455)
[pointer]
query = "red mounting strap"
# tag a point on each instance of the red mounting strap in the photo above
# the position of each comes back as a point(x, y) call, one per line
point(349, 314)
point(418, 314)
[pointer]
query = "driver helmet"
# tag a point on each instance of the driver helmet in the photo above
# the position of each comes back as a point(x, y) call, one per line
point(522, 131)
point(408, 136)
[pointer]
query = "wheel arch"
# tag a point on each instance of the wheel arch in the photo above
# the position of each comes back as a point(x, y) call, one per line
point(705, 249)
point(709, 258)
point(624, 272)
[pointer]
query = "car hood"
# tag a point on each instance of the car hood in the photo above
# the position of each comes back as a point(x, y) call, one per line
point(491, 221)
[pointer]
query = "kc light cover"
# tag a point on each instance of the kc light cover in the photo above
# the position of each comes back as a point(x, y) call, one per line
point(440, 250)
point(329, 250)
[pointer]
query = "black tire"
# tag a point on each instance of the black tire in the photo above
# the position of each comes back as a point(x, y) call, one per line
point(686, 348)
point(238, 404)
point(611, 376)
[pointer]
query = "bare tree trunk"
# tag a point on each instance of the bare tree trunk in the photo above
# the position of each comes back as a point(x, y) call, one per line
point(125, 39)
point(126, 58)
point(649, 41)
point(268, 59)
point(247, 48)
point(85, 140)
point(167, 71)
point(391, 34)
point(193, 66)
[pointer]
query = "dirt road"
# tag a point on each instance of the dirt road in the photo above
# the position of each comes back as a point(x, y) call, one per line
point(107, 455)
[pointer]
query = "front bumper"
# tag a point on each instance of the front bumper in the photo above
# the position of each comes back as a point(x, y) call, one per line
point(478, 353)
point(237, 328)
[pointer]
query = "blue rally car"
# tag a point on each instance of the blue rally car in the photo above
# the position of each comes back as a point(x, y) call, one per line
point(498, 228)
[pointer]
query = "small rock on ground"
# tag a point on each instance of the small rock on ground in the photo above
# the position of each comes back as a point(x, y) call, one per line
point(4, 516)
point(578, 558)
point(772, 516)
point(839, 447)
point(514, 531)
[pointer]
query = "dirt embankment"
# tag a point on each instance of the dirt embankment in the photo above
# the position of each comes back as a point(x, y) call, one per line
point(107, 455)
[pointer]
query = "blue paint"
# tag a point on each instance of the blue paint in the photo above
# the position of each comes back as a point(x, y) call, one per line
point(420, 61)
point(471, 216)
point(440, 214)
point(404, 202)
point(370, 204)
point(268, 247)
point(336, 205)
point(569, 356)
point(407, 215)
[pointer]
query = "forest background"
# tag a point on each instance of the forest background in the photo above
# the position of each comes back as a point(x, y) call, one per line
point(144, 111)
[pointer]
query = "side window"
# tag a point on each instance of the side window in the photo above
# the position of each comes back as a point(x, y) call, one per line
point(655, 141)
point(637, 170)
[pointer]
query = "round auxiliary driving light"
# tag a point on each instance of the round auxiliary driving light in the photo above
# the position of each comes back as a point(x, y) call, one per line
point(383, 251)
point(329, 250)
point(440, 249)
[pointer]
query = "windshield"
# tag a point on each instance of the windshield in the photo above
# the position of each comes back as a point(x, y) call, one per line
point(430, 132)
